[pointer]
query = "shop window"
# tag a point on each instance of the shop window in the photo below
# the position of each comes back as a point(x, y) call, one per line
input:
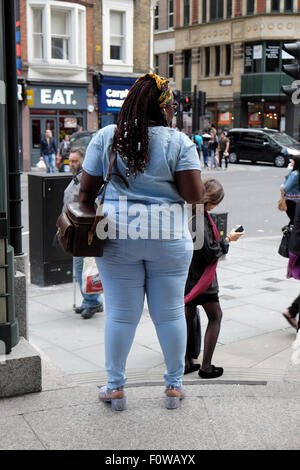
point(60, 36)
point(288, 5)
point(207, 61)
point(171, 65)
point(218, 60)
point(204, 11)
point(37, 33)
point(216, 9)
point(229, 8)
point(156, 64)
point(186, 12)
point(171, 13)
point(156, 18)
point(116, 35)
point(250, 7)
point(272, 57)
point(253, 58)
point(275, 5)
point(228, 59)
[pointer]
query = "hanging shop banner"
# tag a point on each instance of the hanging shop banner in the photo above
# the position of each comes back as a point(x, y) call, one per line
point(254, 119)
point(225, 119)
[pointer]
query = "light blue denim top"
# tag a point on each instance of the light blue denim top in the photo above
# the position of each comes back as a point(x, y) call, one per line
point(169, 151)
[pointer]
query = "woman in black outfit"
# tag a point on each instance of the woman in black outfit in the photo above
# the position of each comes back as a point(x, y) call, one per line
point(202, 284)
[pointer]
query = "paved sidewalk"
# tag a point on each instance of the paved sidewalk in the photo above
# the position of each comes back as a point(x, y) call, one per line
point(254, 405)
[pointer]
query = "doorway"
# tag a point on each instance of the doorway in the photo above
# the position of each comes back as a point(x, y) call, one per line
point(38, 126)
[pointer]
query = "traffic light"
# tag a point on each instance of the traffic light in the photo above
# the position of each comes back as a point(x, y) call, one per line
point(201, 102)
point(177, 96)
point(293, 70)
point(187, 103)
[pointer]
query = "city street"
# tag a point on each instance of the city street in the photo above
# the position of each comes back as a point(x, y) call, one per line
point(254, 291)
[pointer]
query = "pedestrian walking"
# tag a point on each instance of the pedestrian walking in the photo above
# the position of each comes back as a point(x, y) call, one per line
point(48, 151)
point(162, 167)
point(91, 303)
point(223, 149)
point(205, 147)
point(63, 155)
point(290, 189)
point(202, 284)
point(198, 141)
point(213, 144)
point(294, 269)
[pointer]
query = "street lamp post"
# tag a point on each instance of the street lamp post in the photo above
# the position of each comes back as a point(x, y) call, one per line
point(9, 333)
point(262, 112)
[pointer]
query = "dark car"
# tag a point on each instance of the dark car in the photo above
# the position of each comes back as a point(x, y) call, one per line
point(262, 145)
point(81, 139)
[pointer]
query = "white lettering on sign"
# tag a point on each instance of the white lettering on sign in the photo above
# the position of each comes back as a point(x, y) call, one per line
point(119, 94)
point(57, 96)
point(115, 98)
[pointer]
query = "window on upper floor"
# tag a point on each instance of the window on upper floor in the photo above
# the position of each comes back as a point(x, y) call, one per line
point(187, 61)
point(207, 61)
point(117, 38)
point(275, 5)
point(204, 11)
point(37, 33)
point(117, 35)
point(170, 13)
point(229, 8)
point(171, 65)
point(60, 35)
point(186, 12)
point(228, 59)
point(216, 9)
point(250, 7)
point(218, 60)
point(55, 30)
point(156, 18)
point(156, 64)
point(288, 5)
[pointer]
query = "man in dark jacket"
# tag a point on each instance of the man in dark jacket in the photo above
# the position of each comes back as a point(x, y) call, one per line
point(48, 151)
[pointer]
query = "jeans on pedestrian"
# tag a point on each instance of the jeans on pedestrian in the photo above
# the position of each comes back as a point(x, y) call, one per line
point(212, 161)
point(50, 162)
point(205, 156)
point(89, 300)
point(129, 269)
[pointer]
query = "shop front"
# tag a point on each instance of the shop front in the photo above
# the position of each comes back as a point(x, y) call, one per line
point(267, 114)
point(62, 109)
point(111, 95)
point(220, 114)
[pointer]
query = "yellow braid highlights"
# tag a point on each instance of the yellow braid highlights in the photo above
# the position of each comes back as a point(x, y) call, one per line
point(163, 86)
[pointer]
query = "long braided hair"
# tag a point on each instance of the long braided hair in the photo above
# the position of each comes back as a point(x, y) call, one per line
point(131, 136)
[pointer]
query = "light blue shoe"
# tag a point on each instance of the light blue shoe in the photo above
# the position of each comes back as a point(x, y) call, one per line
point(116, 397)
point(174, 395)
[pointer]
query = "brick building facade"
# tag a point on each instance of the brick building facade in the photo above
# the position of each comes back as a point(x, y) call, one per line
point(232, 50)
point(56, 70)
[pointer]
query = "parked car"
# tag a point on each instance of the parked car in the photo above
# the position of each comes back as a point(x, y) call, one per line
point(262, 145)
point(81, 139)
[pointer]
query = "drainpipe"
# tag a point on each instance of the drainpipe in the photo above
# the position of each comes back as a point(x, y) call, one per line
point(151, 45)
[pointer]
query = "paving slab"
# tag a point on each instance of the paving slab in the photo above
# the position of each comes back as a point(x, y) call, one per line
point(16, 434)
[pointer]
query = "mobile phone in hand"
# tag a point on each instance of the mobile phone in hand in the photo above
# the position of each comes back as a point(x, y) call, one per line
point(239, 229)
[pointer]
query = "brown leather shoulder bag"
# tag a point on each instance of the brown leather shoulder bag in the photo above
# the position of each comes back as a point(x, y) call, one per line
point(77, 225)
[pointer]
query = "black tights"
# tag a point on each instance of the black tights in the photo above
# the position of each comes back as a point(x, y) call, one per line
point(214, 315)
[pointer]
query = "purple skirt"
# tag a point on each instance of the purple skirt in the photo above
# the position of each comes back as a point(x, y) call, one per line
point(293, 269)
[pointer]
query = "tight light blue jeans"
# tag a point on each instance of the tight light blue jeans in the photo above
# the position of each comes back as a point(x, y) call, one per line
point(129, 269)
